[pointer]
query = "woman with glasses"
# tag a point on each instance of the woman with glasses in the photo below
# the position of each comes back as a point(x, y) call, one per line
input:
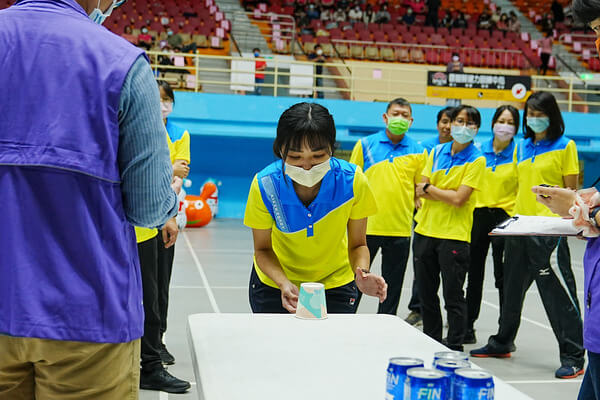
point(495, 203)
point(441, 245)
point(546, 157)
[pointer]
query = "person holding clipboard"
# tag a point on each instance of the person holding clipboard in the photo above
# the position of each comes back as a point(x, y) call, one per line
point(545, 156)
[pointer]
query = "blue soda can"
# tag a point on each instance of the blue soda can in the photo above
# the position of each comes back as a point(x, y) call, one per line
point(426, 384)
point(473, 384)
point(396, 375)
point(449, 366)
point(449, 355)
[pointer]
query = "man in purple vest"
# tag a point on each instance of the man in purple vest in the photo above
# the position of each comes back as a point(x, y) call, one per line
point(83, 155)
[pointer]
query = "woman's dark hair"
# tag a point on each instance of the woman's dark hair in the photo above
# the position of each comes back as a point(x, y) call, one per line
point(168, 89)
point(444, 111)
point(512, 110)
point(308, 123)
point(472, 114)
point(546, 103)
point(585, 11)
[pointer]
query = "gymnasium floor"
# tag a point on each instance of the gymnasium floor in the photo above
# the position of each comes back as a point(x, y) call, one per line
point(212, 267)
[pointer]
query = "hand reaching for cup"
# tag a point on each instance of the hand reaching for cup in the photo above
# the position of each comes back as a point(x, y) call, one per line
point(289, 296)
point(371, 284)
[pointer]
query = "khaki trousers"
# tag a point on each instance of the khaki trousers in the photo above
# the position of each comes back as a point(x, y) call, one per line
point(40, 369)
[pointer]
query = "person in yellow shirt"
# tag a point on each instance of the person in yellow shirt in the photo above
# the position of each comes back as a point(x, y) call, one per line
point(546, 156)
point(495, 203)
point(156, 252)
point(453, 172)
point(392, 162)
point(308, 213)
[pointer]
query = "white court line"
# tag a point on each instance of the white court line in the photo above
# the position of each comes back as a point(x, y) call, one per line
point(213, 287)
point(209, 292)
point(163, 396)
point(487, 303)
point(536, 382)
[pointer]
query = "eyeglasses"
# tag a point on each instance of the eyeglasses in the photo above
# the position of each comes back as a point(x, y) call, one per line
point(461, 121)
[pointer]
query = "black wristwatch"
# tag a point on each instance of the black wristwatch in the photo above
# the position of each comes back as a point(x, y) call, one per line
point(425, 187)
point(593, 217)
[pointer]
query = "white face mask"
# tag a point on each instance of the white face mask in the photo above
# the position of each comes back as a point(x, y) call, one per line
point(99, 17)
point(310, 177)
point(166, 108)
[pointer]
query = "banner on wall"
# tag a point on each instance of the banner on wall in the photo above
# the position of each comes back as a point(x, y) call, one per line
point(459, 85)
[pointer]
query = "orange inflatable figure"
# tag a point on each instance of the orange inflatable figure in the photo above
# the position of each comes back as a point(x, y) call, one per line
point(198, 211)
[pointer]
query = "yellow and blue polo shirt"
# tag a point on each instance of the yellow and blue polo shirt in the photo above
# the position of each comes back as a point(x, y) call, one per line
point(500, 182)
point(543, 162)
point(311, 242)
point(438, 219)
point(392, 171)
point(178, 140)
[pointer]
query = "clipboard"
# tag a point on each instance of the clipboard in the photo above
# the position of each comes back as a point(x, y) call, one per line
point(527, 225)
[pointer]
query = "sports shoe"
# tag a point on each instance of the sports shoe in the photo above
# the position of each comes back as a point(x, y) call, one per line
point(414, 319)
point(455, 348)
point(488, 351)
point(160, 379)
point(470, 337)
point(166, 357)
point(568, 372)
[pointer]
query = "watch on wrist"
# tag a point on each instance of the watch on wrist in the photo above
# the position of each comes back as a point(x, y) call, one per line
point(425, 187)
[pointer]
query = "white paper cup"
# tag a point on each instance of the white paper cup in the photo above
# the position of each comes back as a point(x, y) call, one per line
point(311, 301)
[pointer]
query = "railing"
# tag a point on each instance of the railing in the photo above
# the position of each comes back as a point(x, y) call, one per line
point(356, 81)
point(281, 28)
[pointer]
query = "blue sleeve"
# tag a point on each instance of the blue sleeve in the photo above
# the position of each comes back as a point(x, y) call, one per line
point(143, 157)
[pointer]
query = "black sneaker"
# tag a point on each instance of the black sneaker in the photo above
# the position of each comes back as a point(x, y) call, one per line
point(162, 380)
point(470, 337)
point(166, 357)
point(488, 351)
point(455, 348)
point(414, 319)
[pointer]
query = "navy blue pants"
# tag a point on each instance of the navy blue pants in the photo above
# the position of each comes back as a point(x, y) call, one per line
point(266, 299)
point(590, 387)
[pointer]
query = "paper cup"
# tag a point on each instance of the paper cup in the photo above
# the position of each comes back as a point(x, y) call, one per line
point(311, 301)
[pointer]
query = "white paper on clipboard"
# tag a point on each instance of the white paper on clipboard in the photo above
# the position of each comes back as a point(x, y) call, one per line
point(526, 225)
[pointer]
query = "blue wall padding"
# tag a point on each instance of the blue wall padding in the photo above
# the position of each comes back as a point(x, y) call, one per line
point(232, 136)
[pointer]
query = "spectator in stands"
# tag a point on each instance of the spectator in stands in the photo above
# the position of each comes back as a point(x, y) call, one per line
point(409, 17)
point(547, 23)
point(557, 11)
point(448, 21)
point(496, 15)
point(433, 9)
point(144, 39)
point(455, 65)
point(326, 15)
point(96, 161)
point(454, 171)
point(129, 36)
point(418, 6)
point(176, 42)
point(485, 20)
point(502, 25)
point(546, 51)
point(355, 14)
point(260, 66)
point(318, 57)
point(313, 12)
point(339, 15)
point(368, 15)
point(383, 15)
point(460, 21)
point(343, 4)
point(513, 23)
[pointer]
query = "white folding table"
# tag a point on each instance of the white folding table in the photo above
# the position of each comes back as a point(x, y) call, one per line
point(274, 356)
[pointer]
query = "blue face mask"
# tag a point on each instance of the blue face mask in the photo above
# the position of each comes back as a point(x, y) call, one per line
point(462, 134)
point(256, 54)
point(538, 125)
point(99, 17)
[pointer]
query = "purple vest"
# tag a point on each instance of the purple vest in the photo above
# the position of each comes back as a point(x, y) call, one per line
point(69, 267)
point(591, 323)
